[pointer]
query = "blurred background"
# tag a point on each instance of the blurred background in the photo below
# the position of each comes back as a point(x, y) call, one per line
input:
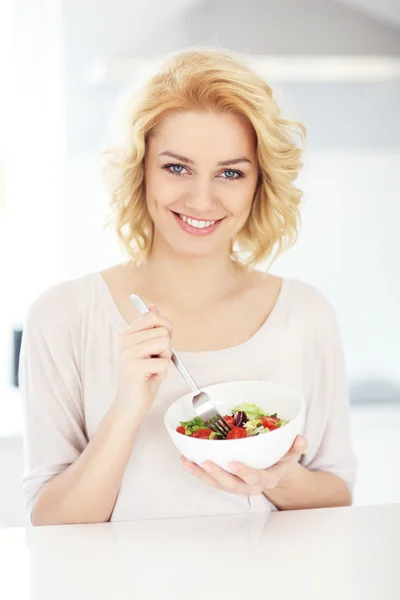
point(334, 65)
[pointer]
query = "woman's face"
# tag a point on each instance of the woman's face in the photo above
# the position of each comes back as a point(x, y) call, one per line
point(201, 174)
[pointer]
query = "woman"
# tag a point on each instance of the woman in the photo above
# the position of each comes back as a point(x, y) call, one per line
point(202, 191)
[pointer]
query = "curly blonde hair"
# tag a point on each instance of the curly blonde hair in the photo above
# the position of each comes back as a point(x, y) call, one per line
point(207, 79)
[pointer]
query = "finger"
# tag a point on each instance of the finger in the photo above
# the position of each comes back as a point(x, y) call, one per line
point(152, 368)
point(253, 477)
point(226, 480)
point(269, 478)
point(159, 347)
point(299, 446)
point(147, 321)
point(153, 309)
point(143, 336)
point(273, 475)
point(198, 472)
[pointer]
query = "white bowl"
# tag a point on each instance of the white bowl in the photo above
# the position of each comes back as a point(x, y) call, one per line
point(258, 452)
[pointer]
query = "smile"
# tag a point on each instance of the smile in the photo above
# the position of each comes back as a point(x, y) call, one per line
point(196, 226)
point(196, 222)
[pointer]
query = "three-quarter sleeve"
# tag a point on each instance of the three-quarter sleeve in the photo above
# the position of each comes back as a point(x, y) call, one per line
point(51, 393)
point(328, 409)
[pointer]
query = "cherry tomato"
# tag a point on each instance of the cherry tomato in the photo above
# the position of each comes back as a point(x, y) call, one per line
point(202, 434)
point(230, 420)
point(181, 429)
point(270, 422)
point(236, 433)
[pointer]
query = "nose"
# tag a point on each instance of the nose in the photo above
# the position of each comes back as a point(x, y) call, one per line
point(201, 199)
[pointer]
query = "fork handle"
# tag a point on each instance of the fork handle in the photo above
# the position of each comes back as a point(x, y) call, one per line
point(184, 373)
point(142, 309)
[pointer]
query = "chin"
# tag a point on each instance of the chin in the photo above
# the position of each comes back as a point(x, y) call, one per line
point(194, 250)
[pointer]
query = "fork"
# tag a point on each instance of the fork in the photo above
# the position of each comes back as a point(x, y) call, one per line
point(202, 403)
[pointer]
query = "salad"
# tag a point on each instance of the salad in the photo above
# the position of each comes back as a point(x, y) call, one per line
point(245, 420)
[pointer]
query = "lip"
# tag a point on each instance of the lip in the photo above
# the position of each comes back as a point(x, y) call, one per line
point(195, 231)
point(196, 218)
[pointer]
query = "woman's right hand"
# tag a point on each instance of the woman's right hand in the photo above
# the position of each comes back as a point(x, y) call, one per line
point(144, 357)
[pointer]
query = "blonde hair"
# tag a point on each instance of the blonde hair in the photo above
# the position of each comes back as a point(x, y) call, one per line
point(208, 80)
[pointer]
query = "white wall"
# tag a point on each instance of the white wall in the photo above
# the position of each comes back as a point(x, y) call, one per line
point(88, 245)
point(94, 31)
point(307, 27)
point(385, 10)
point(30, 227)
point(349, 248)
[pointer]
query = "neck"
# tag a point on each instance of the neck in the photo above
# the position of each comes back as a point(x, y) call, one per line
point(190, 281)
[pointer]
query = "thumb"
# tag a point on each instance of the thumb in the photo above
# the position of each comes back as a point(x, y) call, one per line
point(299, 447)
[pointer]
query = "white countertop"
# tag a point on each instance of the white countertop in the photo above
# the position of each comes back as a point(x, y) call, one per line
point(327, 554)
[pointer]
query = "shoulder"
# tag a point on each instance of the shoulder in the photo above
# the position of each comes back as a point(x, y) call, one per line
point(307, 297)
point(61, 303)
point(295, 294)
point(313, 309)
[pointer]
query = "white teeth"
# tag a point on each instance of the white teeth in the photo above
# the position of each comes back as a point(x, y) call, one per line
point(196, 223)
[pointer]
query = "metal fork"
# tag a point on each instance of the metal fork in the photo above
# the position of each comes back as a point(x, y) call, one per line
point(202, 403)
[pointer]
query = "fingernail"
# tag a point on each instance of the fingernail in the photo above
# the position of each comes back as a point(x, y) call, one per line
point(189, 467)
point(207, 467)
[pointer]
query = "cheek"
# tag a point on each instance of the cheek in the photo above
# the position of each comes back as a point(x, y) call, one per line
point(238, 201)
point(162, 190)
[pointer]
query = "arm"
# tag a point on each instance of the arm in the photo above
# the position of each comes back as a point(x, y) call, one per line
point(302, 488)
point(87, 490)
point(326, 473)
point(67, 479)
point(286, 484)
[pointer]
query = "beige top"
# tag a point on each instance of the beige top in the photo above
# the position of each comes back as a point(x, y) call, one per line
point(68, 376)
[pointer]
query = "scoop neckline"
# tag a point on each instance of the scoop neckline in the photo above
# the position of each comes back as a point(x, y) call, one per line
point(121, 325)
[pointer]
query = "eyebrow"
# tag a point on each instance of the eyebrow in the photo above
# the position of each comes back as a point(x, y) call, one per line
point(223, 163)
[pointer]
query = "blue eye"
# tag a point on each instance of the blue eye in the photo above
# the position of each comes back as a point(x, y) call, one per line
point(231, 174)
point(178, 169)
point(175, 169)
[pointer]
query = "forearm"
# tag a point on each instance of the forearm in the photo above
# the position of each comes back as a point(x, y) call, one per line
point(301, 488)
point(87, 490)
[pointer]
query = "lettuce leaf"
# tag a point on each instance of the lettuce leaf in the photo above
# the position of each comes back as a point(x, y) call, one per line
point(193, 425)
point(252, 410)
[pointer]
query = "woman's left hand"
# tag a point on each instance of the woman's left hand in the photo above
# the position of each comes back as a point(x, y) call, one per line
point(246, 481)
